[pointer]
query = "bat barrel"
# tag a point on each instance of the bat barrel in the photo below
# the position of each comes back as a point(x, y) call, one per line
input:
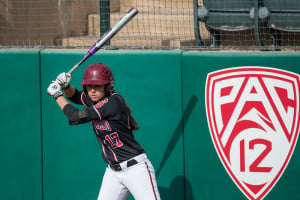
point(107, 36)
point(116, 27)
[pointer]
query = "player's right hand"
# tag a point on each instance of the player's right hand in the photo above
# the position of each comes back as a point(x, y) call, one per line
point(54, 90)
point(63, 79)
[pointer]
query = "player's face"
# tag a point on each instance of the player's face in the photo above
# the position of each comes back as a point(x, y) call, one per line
point(95, 92)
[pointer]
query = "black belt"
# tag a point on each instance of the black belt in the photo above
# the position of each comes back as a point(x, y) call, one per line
point(117, 167)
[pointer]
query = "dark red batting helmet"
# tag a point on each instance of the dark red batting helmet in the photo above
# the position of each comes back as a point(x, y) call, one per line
point(98, 74)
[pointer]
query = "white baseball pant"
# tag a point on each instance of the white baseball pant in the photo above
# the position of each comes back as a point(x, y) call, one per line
point(139, 180)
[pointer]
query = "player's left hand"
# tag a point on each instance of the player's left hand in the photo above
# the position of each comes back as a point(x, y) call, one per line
point(54, 90)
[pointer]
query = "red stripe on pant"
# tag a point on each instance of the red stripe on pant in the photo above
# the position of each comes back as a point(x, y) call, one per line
point(151, 180)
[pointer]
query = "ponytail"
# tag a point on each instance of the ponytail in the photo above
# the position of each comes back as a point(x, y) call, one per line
point(133, 124)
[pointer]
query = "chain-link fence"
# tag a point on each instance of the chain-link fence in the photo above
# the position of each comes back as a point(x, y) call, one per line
point(160, 24)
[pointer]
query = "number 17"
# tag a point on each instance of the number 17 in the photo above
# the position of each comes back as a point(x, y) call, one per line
point(114, 140)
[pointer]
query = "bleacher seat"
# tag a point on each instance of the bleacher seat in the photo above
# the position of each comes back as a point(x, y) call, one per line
point(226, 15)
point(283, 16)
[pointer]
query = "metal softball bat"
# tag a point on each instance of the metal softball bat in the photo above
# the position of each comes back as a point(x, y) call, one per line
point(107, 36)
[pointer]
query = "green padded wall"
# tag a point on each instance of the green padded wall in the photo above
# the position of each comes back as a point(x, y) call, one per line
point(151, 83)
point(206, 177)
point(42, 157)
point(20, 138)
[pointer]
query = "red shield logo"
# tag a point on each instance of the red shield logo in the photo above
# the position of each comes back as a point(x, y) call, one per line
point(253, 117)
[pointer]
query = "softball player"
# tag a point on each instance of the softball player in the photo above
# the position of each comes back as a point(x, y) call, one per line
point(129, 170)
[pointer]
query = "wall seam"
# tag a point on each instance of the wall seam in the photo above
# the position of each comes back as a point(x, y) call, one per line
point(41, 124)
point(182, 114)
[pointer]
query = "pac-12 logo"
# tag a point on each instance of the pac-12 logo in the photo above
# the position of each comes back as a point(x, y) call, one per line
point(253, 117)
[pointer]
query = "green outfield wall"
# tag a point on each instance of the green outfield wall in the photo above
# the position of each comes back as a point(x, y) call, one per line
point(42, 157)
point(73, 166)
point(203, 168)
point(20, 138)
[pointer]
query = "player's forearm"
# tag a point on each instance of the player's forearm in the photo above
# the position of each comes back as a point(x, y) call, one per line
point(69, 92)
point(62, 102)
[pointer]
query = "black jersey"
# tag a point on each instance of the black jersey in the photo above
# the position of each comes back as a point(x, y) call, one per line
point(110, 120)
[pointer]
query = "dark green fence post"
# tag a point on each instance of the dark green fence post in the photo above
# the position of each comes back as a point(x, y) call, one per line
point(196, 24)
point(104, 17)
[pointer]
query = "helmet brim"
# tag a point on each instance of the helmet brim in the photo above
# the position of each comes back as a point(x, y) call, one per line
point(93, 82)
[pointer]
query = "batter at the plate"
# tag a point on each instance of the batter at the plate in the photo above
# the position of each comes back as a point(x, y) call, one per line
point(128, 168)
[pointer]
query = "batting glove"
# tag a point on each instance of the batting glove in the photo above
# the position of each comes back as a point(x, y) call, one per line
point(63, 79)
point(54, 90)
